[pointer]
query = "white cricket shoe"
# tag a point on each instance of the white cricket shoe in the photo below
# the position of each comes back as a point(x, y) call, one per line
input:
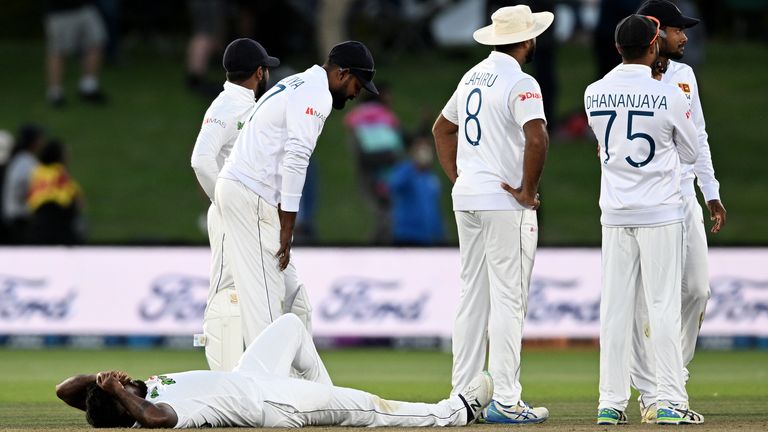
point(647, 413)
point(668, 413)
point(477, 396)
point(519, 413)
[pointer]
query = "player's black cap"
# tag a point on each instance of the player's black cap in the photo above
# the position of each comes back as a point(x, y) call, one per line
point(667, 13)
point(246, 55)
point(636, 31)
point(356, 57)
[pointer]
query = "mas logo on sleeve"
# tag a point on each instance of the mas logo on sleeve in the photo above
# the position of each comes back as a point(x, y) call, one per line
point(315, 113)
point(529, 95)
point(212, 120)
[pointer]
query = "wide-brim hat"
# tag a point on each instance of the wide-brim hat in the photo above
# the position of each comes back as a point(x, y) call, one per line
point(513, 24)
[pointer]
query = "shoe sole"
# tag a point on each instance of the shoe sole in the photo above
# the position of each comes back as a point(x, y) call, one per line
point(510, 421)
point(675, 421)
point(610, 422)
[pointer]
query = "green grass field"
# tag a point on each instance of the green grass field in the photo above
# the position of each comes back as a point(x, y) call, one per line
point(132, 157)
point(729, 388)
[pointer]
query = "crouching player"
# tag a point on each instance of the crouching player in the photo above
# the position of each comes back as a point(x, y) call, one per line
point(260, 393)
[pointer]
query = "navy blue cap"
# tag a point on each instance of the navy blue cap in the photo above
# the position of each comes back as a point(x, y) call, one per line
point(667, 13)
point(246, 55)
point(356, 57)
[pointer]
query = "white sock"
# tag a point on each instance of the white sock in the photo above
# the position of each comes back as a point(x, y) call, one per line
point(89, 84)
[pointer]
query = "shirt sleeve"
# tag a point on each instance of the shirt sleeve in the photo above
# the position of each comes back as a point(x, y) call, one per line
point(451, 111)
point(684, 135)
point(525, 102)
point(210, 140)
point(703, 168)
point(305, 118)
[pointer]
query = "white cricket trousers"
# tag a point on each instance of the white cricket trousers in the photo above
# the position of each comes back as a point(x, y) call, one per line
point(695, 294)
point(650, 260)
point(252, 228)
point(497, 251)
point(314, 400)
point(222, 323)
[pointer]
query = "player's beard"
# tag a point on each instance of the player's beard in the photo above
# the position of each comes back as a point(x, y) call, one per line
point(339, 98)
point(260, 89)
point(531, 54)
point(668, 53)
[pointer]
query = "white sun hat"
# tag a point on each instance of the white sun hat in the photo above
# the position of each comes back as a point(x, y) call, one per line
point(513, 24)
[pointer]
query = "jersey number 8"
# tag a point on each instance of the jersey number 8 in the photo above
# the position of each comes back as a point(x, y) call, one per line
point(472, 116)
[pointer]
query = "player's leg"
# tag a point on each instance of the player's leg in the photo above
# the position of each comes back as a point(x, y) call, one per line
point(643, 361)
point(285, 344)
point(471, 323)
point(661, 257)
point(221, 320)
point(297, 403)
point(252, 228)
point(621, 270)
point(296, 297)
point(695, 287)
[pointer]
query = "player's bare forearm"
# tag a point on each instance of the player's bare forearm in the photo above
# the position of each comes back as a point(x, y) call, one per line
point(287, 225)
point(446, 146)
point(536, 145)
point(146, 413)
point(73, 390)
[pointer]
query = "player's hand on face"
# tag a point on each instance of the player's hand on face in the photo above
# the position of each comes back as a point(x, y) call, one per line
point(717, 214)
point(122, 377)
point(526, 198)
point(109, 381)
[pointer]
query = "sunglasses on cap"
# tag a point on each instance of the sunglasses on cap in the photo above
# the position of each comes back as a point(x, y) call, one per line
point(365, 74)
point(659, 31)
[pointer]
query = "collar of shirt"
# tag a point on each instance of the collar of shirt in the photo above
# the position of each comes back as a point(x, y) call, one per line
point(239, 91)
point(634, 69)
point(504, 58)
point(319, 71)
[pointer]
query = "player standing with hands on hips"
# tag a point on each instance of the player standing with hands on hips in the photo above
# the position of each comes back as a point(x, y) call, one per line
point(247, 64)
point(644, 130)
point(492, 142)
point(695, 288)
point(259, 189)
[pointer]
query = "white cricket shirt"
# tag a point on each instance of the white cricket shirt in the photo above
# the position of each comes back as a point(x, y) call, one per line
point(491, 104)
point(209, 398)
point(221, 126)
point(681, 75)
point(272, 152)
point(645, 130)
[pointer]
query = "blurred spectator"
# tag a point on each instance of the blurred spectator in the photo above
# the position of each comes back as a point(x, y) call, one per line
point(74, 27)
point(111, 12)
point(29, 141)
point(6, 146)
point(611, 12)
point(55, 200)
point(415, 191)
point(208, 20)
point(306, 229)
point(377, 141)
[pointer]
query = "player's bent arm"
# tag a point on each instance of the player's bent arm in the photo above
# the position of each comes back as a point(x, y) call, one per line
point(73, 390)
point(536, 145)
point(446, 134)
point(685, 135)
point(146, 413)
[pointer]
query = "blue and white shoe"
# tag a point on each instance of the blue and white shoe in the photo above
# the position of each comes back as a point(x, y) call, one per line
point(668, 413)
point(520, 413)
point(610, 416)
point(477, 396)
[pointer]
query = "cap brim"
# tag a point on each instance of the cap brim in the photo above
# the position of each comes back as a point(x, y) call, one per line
point(272, 62)
point(687, 22)
point(486, 35)
point(367, 83)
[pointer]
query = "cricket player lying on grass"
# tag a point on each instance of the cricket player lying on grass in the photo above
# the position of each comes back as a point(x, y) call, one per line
point(259, 393)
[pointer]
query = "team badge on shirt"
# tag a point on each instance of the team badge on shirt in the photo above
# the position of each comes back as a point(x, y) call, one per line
point(685, 87)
